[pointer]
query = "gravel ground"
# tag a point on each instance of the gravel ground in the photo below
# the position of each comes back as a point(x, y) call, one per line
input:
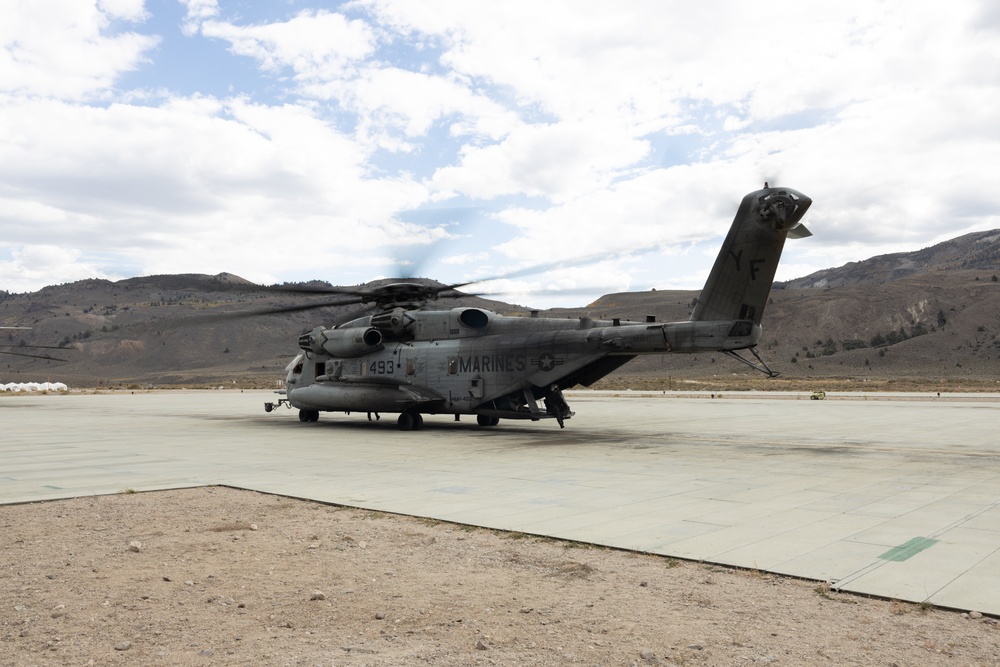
point(217, 576)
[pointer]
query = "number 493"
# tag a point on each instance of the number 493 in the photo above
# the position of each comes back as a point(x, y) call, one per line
point(381, 367)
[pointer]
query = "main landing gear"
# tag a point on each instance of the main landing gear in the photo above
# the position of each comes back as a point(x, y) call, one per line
point(556, 406)
point(410, 421)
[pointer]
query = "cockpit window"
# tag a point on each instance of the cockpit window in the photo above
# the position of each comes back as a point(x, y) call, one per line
point(295, 365)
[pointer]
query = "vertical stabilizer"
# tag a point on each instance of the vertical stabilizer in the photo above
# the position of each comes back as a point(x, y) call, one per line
point(740, 282)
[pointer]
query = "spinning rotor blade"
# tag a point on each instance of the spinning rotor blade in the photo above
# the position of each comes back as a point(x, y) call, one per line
point(40, 347)
point(260, 312)
point(548, 266)
point(294, 309)
point(47, 357)
point(575, 291)
point(411, 290)
point(314, 290)
point(34, 356)
point(351, 316)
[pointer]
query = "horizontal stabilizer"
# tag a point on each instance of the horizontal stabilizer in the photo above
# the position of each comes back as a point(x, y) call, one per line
point(799, 232)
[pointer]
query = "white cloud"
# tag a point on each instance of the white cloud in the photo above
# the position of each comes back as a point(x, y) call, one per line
point(316, 45)
point(657, 211)
point(637, 62)
point(33, 265)
point(556, 161)
point(66, 49)
point(203, 181)
point(197, 12)
point(466, 258)
point(583, 126)
point(127, 10)
point(326, 55)
point(389, 97)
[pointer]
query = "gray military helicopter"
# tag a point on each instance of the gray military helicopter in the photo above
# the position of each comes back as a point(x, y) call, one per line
point(406, 358)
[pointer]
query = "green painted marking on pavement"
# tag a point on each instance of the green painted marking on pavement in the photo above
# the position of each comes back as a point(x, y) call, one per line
point(908, 549)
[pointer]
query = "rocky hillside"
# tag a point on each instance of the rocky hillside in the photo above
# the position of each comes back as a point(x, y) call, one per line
point(979, 251)
point(938, 326)
point(932, 315)
point(156, 330)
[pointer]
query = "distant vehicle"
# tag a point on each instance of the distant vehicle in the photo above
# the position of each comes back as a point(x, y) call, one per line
point(818, 395)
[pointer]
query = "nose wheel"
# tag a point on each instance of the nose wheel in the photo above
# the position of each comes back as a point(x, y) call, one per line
point(308, 415)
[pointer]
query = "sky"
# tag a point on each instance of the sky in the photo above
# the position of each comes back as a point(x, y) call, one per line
point(606, 145)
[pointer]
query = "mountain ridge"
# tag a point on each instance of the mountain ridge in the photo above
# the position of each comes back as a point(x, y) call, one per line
point(977, 250)
point(929, 314)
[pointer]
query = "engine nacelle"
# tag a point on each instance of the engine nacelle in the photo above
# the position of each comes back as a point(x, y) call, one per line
point(394, 323)
point(344, 343)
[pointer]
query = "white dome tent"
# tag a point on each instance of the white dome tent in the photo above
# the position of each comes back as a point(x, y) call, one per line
point(33, 386)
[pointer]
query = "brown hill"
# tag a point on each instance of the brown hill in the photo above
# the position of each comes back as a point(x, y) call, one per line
point(937, 327)
point(159, 330)
point(977, 251)
point(929, 316)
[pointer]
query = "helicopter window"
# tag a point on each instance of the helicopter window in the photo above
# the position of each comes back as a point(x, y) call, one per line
point(452, 366)
point(295, 365)
point(411, 366)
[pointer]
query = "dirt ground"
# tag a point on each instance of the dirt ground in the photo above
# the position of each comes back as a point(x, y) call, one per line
point(217, 576)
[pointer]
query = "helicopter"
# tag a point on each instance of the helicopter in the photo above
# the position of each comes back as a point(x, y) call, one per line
point(403, 356)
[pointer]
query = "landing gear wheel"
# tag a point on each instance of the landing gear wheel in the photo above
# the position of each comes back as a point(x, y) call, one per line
point(308, 415)
point(409, 421)
point(484, 420)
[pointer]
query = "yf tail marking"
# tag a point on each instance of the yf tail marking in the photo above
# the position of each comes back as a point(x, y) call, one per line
point(740, 281)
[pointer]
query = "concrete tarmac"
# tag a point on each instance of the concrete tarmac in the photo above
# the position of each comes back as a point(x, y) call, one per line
point(892, 496)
